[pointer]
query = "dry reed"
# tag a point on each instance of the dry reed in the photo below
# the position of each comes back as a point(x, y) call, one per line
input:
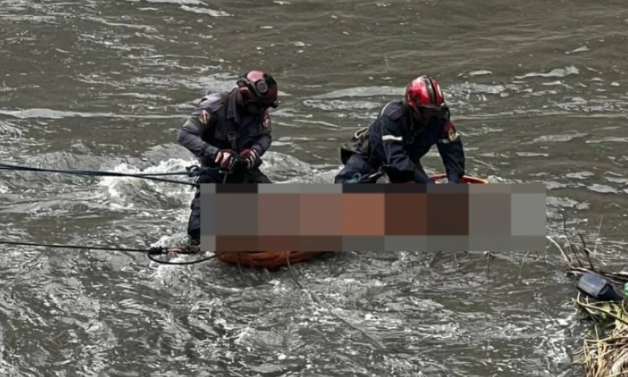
point(605, 353)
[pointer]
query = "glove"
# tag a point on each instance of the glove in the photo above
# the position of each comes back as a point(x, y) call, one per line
point(225, 158)
point(250, 157)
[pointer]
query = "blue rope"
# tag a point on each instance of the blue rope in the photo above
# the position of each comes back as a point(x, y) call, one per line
point(357, 177)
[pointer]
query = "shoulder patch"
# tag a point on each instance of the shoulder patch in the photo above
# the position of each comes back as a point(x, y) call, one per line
point(450, 130)
point(266, 121)
point(204, 117)
point(451, 134)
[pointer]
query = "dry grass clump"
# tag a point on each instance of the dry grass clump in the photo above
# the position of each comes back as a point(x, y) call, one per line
point(605, 354)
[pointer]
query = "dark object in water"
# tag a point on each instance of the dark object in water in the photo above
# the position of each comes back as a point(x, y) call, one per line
point(598, 288)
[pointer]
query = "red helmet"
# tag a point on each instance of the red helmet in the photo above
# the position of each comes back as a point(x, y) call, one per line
point(425, 92)
point(259, 87)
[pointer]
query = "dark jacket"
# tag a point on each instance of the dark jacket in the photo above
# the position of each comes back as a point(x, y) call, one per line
point(217, 123)
point(394, 142)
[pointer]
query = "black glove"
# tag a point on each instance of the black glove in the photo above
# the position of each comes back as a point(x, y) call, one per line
point(249, 157)
point(226, 159)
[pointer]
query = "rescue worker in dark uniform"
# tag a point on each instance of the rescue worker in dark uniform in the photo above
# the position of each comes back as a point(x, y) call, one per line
point(402, 134)
point(230, 132)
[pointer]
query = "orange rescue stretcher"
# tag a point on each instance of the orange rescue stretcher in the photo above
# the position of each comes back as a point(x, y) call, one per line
point(274, 259)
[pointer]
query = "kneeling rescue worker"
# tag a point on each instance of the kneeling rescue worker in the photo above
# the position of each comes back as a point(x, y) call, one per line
point(402, 134)
point(230, 131)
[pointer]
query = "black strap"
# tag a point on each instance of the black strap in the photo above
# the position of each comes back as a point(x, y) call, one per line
point(232, 134)
point(359, 144)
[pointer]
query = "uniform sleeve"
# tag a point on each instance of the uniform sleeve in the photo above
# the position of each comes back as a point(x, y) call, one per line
point(451, 152)
point(194, 127)
point(399, 165)
point(265, 139)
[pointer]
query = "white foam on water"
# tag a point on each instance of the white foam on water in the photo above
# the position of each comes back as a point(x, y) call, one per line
point(364, 91)
point(163, 271)
point(556, 72)
point(178, 2)
point(207, 11)
point(118, 186)
point(481, 72)
point(602, 189)
point(59, 114)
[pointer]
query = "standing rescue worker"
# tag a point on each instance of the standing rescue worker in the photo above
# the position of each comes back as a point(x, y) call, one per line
point(402, 134)
point(230, 131)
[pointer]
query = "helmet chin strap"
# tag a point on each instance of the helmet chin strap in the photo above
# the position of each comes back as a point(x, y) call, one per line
point(417, 118)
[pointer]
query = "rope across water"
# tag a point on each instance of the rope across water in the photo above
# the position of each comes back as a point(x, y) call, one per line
point(190, 171)
point(151, 252)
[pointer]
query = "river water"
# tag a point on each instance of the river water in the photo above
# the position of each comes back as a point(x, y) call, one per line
point(537, 88)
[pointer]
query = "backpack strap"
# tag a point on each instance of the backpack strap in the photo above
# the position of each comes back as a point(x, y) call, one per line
point(232, 134)
point(359, 144)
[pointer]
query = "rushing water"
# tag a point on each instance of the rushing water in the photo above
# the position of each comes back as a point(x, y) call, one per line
point(537, 88)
